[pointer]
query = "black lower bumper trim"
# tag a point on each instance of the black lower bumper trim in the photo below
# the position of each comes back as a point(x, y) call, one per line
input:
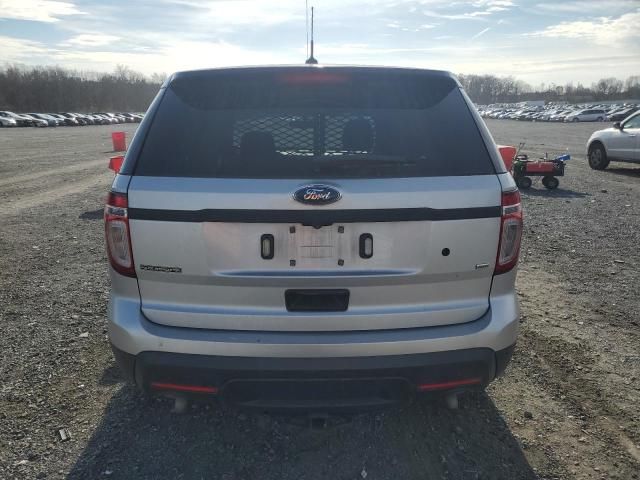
point(314, 383)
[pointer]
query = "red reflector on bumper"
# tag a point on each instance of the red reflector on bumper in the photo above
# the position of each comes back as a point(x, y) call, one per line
point(428, 387)
point(183, 388)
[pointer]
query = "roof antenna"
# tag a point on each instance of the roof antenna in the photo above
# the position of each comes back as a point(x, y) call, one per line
point(311, 60)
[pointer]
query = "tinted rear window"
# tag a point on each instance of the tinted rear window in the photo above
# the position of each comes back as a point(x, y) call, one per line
point(313, 124)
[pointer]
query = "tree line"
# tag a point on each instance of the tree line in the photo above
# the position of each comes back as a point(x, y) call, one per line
point(55, 89)
point(486, 89)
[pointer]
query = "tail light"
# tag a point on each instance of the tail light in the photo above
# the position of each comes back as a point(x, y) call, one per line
point(116, 229)
point(510, 232)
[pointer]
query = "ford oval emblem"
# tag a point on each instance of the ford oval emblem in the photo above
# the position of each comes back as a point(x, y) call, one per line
point(317, 195)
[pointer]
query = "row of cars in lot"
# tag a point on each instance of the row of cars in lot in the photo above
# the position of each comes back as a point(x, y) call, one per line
point(11, 119)
point(620, 142)
point(559, 112)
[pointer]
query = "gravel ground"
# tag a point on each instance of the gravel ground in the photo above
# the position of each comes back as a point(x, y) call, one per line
point(567, 408)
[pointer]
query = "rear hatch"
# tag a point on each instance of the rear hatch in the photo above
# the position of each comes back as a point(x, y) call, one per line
point(306, 199)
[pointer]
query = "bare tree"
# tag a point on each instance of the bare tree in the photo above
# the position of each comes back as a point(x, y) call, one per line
point(607, 87)
point(54, 89)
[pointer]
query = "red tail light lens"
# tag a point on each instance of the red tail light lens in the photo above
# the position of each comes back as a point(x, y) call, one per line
point(510, 232)
point(116, 229)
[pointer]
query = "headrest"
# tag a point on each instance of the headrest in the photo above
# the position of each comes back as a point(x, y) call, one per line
point(357, 135)
point(256, 144)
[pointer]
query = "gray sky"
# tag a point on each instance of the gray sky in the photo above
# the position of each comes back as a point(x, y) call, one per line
point(534, 40)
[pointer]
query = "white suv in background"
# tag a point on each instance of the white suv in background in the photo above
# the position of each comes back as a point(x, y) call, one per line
point(587, 115)
point(620, 143)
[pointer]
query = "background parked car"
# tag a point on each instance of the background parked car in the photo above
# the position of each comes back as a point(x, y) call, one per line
point(71, 122)
point(587, 115)
point(73, 116)
point(558, 112)
point(100, 119)
point(106, 117)
point(620, 143)
point(37, 122)
point(622, 114)
point(87, 118)
point(21, 121)
point(128, 117)
point(6, 121)
point(115, 117)
point(52, 121)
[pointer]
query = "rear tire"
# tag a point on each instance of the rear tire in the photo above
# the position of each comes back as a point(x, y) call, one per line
point(600, 119)
point(524, 183)
point(551, 183)
point(598, 157)
point(575, 119)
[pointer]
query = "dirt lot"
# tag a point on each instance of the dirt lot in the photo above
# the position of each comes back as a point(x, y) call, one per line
point(567, 408)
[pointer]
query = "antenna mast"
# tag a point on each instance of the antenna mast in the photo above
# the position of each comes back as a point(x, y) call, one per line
point(311, 60)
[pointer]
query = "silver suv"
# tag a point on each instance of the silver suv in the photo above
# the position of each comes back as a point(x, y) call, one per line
point(312, 237)
point(588, 115)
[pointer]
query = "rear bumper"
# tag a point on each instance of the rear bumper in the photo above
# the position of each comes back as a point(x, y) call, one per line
point(313, 383)
point(132, 333)
point(238, 363)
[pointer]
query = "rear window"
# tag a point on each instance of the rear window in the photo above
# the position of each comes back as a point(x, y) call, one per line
point(313, 123)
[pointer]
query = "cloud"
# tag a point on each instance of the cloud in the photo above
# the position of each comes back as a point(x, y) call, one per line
point(492, 6)
point(170, 35)
point(232, 13)
point(16, 49)
point(170, 56)
point(37, 10)
point(373, 54)
point(91, 40)
point(457, 16)
point(584, 6)
point(552, 69)
point(603, 31)
point(482, 8)
point(493, 3)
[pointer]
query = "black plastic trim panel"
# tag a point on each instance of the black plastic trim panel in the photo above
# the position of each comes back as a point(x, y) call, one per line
point(314, 383)
point(314, 217)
